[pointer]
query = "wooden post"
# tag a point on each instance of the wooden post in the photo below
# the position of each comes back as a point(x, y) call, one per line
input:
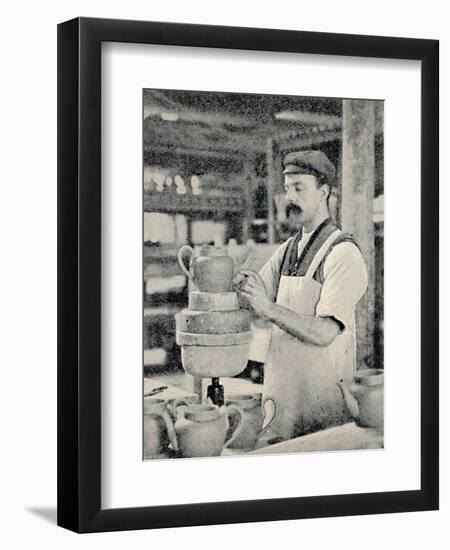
point(336, 205)
point(270, 191)
point(356, 212)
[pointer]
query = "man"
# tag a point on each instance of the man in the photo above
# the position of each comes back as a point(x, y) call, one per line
point(308, 290)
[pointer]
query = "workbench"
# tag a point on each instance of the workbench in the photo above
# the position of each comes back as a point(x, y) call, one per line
point(339, 438)
point(346, 437)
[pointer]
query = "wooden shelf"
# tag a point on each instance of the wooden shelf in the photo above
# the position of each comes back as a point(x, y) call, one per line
point(163, 202)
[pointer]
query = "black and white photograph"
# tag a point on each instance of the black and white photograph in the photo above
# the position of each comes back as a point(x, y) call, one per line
point(263, 262)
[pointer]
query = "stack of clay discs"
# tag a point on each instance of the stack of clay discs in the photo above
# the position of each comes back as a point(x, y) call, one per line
point(214, 335)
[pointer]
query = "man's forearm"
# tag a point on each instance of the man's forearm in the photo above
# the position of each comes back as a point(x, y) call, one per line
point(320, 331)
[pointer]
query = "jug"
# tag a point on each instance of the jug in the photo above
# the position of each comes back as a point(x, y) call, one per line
point(211, 271)
point(158, 429)
point(201, 430)
point(251, 422)
point(364, 397)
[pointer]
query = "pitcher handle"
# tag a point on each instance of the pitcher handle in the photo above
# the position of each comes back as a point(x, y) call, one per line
point(180, 255)
point(165, 415)
point(264, 401)
point(234, 410)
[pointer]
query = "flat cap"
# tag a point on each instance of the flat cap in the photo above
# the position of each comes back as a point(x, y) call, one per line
point(310, 162)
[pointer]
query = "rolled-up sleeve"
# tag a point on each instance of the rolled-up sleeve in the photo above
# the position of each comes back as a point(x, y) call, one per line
point(345, 282)
point(270, 271)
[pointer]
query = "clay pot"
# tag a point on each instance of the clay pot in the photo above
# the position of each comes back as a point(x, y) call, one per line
point(158, 428)
point(211, 271)
point(251, 423)
point(364, 398)
point(202, 429)
point(213, 322)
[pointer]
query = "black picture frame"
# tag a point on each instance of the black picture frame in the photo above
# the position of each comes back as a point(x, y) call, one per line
point(79, 274)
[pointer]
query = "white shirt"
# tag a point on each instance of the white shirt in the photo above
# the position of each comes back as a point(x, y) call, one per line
point(303, 241)
point(345, 279)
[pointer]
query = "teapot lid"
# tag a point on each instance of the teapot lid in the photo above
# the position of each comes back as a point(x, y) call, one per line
point(212, 250)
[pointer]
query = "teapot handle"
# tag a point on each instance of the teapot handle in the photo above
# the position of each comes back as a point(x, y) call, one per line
point(165, 415)
point(180, 255)
point(233, 409)
point(349, 392)
point(264, 401)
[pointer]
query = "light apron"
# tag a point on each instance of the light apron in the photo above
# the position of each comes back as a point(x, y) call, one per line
point(302, 378)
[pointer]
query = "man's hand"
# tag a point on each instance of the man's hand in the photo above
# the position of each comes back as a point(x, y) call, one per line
point(255, 292)
point(319, 331)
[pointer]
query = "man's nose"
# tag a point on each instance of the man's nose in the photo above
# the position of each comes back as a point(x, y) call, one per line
point(290, 195)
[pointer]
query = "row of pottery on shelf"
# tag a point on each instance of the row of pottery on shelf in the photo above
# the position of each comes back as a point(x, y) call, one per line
point(201, 430)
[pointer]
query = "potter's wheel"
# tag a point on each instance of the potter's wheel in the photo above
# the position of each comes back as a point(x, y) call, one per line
point(214, 335)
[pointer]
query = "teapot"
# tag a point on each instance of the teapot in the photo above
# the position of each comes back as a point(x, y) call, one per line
point(158, 428)
point(364, 397)
point(251, 422)
point(211, 270)
point(201, 430)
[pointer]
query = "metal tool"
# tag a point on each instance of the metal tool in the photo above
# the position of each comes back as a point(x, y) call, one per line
point(155, 391)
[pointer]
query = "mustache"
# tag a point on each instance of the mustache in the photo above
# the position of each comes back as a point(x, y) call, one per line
point(293, 209)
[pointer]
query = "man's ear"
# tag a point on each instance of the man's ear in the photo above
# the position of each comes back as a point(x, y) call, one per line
point(326, 191)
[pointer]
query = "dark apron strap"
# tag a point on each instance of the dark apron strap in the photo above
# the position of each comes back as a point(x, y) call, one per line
point(291, 265)
point(343, 238)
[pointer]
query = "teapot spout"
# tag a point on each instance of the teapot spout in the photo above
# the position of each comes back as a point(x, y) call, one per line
point(350, 401)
